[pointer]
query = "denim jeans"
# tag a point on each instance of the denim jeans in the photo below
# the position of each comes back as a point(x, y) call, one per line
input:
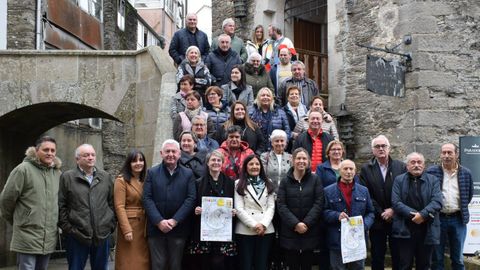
point(32, 261)
point(78, 253)
point(453, 229)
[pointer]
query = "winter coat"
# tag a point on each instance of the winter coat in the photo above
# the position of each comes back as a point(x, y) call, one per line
point(168, 196)
point(253, 209)
point(183, 123)
point(270, 164)
point(29, 202)
point(204, 189)
point(196, 162)
point(304, 140)
point(309, 90)
point(465, 186)
point(236, 44)
point(380, 191)
point(131, 218)
point(300, 202)
point(207, 144)
point(180, 43)
point(257, 81)
point(328, 125)
point(86, 210)
point(177, 105)
point(221, 66)
point(201, 74)
point(245, 96)
point(278, 121)
point(253, 137)
point(218, 117)
point(432, 200)
point(233, 160)
point(361, 205)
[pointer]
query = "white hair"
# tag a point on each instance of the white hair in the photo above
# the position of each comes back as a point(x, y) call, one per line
point(410, 156)
point(278, 133)
point(170, 141)
point(77, 151)
point(227, 21)
point(380, 137)
point(254, 55)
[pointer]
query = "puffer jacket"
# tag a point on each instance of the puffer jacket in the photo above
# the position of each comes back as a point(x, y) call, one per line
point(361, 205)
point(259, 80)
point(202, 76)
point(278, 121)
point(86, 211)
point(29, 203)
point(232, 166)
point(220, 65)
point(300, 202)
point(219, 116)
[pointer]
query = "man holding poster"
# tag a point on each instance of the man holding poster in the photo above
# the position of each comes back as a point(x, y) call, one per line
point(457, 190)
point(343, 200)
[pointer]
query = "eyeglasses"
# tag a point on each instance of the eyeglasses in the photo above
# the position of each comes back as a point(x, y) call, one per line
point(378, 146)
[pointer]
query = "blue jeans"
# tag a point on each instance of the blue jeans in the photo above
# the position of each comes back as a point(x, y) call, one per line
point(78, 252)
point(32, 261)
point(453, 229)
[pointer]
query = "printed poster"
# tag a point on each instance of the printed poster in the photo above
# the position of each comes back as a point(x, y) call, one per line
point(352, 238)
point(216, 219)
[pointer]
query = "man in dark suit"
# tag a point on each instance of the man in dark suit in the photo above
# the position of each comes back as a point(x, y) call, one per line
point(169, 198)
point(378, 175)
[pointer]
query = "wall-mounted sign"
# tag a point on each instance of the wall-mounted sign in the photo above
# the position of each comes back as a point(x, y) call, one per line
point(385, 77)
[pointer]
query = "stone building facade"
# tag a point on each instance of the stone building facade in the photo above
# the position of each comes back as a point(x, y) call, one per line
point(441, 102)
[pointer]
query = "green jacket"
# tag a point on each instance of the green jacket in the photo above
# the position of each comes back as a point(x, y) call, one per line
point(29, 202)
point(236, 44)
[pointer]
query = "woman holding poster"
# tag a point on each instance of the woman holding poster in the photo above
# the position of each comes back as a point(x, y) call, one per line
point(212, 255)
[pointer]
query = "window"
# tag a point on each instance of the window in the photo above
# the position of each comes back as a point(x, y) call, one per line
point(3, 25)
point(92, 7)
point(121, 14)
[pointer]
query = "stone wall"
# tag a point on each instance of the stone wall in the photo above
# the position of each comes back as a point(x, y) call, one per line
point(244, 26)
point(441, 101)
point(114, 38)
point(21, 21)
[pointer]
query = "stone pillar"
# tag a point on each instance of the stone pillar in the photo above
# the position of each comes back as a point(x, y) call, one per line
point(21, 22)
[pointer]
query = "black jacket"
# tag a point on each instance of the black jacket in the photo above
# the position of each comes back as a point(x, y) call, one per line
point(300, 202)
point(380, 191)
point(204, 188)
point(86, 210)
point(220, 66)
point(304, 140)
point(180, 43)
point(196, 162)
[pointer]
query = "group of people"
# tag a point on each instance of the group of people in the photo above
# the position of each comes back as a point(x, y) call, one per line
point(247, 125)
point(282, 210)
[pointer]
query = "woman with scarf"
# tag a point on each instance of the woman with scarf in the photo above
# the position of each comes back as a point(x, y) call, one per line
point(190, 157)
point(217, 111)
point(183, 120)
point(178, 103)
point(237, 88)
point(194, 66)
point(267, 115)
point(250, 132)
point(255, 205)
point(213, 183)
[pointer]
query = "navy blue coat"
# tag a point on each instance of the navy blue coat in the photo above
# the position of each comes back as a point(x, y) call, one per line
point(361, 205)
point(327, 174)
point(465, 185)
point(168, 196)
point(180, 43)
point(220, 66)
point(432, 198)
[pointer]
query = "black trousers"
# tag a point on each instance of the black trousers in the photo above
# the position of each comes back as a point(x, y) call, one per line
point(378, 247)
point(414, 248)
point(299, 260)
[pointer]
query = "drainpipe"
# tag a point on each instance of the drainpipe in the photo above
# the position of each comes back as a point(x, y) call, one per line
point(38, 26)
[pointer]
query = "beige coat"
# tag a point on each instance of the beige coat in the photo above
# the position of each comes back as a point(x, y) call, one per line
point(252, 210)
point(131, 218)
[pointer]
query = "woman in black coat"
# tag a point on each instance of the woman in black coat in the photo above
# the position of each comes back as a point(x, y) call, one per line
point(213, 255)
point(299, 204)
point(190, 158)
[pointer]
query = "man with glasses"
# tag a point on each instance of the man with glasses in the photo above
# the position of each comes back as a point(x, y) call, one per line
point(205, 142)
point(457, 190)
point(378, 175)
